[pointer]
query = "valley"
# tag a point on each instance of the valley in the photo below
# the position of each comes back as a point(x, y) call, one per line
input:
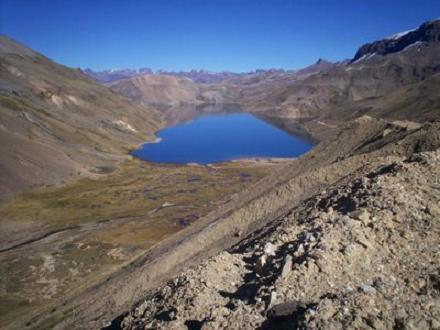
point(57, 242)
point(78, 207)
point(91, 236)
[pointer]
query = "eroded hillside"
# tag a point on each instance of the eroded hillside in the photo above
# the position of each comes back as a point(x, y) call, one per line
point(57, 124)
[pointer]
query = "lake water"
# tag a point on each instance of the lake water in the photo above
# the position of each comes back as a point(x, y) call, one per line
point(214, 137)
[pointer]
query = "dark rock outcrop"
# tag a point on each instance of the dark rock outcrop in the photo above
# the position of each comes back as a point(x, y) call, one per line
point(427, 32)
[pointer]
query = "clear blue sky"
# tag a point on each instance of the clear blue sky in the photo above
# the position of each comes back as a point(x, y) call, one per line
point(215, 35)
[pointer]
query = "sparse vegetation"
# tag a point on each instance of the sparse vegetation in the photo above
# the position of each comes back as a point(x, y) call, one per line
point(109, 221)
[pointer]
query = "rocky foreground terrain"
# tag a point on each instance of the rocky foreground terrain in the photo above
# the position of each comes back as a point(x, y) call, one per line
point(362, 253)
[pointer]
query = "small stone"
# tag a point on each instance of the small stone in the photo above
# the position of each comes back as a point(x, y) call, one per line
point(286, 309)
point(287, 267)
point(348, 289)
point(272, 300)
point(361, 215)
point(351, 249)
point(433, 210)
point(327, 311)
point(435, 324)
point(176, 324)
point(269, 249)
point(376, 323)
point(387, 131)
point(261, 262)
point(140, 310)
point(310, 237)
point(367, 288)
point(300, 251)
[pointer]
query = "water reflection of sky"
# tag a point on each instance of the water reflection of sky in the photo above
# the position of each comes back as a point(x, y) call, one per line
point(213, 138)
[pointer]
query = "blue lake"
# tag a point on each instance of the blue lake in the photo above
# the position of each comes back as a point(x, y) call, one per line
point(211, 138)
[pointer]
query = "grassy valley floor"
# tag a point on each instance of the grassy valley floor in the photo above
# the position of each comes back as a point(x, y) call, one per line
point(57, 242)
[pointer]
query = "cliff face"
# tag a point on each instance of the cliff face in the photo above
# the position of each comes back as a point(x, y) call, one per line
point(427, 32)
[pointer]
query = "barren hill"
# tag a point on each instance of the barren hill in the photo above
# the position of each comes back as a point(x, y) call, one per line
point(157, 89)
point(58, 124)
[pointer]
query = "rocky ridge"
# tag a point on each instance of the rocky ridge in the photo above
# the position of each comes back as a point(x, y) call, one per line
point(427, 32)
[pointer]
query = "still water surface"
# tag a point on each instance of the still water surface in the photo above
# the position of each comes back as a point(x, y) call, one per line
point(216, 137)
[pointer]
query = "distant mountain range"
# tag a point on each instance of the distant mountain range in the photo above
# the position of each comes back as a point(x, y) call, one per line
point(198, 76)
point(171, 88)
point(107, 76)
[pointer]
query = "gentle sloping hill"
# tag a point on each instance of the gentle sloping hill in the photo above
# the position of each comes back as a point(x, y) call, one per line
point(151, 89)
point(57, 124)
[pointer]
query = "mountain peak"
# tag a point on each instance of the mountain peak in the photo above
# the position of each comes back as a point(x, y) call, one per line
point(427, 32)
point(321, 61)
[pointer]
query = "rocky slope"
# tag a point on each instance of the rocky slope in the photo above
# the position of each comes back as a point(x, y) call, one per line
point(362, 253)
point(58, 124)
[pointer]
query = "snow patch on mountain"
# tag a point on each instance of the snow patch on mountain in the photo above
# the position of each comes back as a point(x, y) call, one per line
point(400, 35)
